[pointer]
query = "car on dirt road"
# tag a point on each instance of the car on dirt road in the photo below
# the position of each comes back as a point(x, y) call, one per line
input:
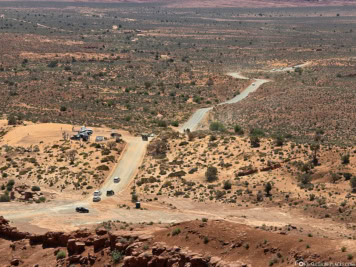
point(81, 210)
point(110, 193)
point(116, 180)
point(97, 193)
point(96, 199)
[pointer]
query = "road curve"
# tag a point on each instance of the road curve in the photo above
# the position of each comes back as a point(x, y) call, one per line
point(194, 121)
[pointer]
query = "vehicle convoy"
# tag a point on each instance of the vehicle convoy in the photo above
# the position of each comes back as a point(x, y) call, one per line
point(81, 210)
point(110, 193)
point(116, 180)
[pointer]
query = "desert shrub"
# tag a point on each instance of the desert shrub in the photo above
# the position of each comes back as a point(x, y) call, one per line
point(255, 141)
point(10, 184)
point(268, 188)
point(204, 219)
point(103, 168)
point(162, 124)
point(206, 240)
point(61, 254)
point(116, 256)
point(353, 184)
point(227, 185)
point(63, 108)
point(257, 132)
point(52, 64)
point(335, 177)
point(4, 198)
point(279, 140)
point(175, 123)
point(347, 176)
point(217, 126)
point(211, 174)
point(176, 231)
point(345, 159)
point(238, 130)
point(158, 148)
point(35, 188)
point(134, 197)
point(219, 194)
point(12, 120)
point(108, 158)
point(305, 178)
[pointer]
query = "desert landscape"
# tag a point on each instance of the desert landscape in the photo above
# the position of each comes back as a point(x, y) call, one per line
point(178, 133)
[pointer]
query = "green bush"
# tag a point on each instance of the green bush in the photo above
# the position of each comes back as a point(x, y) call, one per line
point(257, 132)
point(4, 198)
point(102, 168)
point(238, 130)
point(345, 159)
point(61, 254)
point(11, 120)
point(176, 231)
point(35, 188)
point(217, 126)
point(116, 256)
point(227, 185)
point(211, 174)
point(162, 124)
point(255, 141)
point(52, 64)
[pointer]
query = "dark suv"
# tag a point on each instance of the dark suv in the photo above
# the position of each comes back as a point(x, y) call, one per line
point(81, 210)
point(110, 193)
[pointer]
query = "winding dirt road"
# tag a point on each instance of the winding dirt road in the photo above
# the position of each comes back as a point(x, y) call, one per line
point(61, 215)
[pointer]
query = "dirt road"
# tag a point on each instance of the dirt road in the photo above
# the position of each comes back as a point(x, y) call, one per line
point(61, 215)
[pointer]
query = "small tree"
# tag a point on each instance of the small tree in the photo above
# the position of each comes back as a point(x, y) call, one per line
point(217, 126)
point(111, 145)
point(305, 178)
point(71, 155)
point(211, 174)
point(227, 185)
point(268, 188)
point(255, 141)
point(345, 159)
point(279, 140)
point(11, 120)
point(238, 130)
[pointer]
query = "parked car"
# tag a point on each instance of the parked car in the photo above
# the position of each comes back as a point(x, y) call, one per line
point(97, 193)
point(96, 199)
point(116, 180)
point(110, 193)
point(81, 210)
point(253, 84)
